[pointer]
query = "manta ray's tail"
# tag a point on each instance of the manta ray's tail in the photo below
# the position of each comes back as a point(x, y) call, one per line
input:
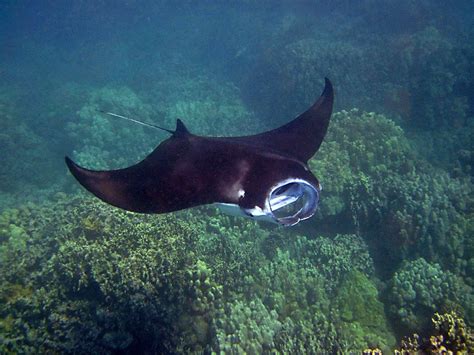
point(146, 124)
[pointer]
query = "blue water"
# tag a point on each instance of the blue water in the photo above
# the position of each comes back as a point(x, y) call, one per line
point(390, 246)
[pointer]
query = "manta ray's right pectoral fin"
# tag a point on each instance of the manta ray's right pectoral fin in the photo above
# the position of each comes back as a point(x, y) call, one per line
point(120, 188)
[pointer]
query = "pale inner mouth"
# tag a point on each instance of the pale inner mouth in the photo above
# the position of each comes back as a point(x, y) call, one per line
point(293, 200)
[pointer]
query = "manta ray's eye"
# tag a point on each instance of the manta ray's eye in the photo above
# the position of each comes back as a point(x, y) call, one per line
point(293, 200)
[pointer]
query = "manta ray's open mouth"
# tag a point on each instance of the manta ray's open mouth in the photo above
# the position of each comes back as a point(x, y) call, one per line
point(292, 200)
point(289, 201)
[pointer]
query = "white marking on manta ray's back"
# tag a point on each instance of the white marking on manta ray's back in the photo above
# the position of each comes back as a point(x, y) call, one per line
point(235, 189)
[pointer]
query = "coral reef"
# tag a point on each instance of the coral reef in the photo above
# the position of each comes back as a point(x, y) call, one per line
point(105, 281)
point(333, 257)
point(113, 281)
point(206, 105)
point(301, 64)
point(102, 142)
point(360, 150)
point(239, 252)
point(248, 328)
point(362, 315)
point(290, 278)
point(373, 177)
point(22, 150)
point(396, 221)
point(283, 308)
point(421, 76)
point(449, 335)
point(109, 281)
point(419, 288)
point(432, 68)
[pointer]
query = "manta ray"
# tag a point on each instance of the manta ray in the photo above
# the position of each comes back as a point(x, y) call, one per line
point(263, 176)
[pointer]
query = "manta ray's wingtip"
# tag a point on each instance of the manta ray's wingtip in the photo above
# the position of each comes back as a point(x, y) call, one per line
point(82, 175)
point(328, 88)
point(74, 169)
point(70, 164)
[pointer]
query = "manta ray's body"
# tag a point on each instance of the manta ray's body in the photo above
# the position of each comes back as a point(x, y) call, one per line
point(259, 176)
